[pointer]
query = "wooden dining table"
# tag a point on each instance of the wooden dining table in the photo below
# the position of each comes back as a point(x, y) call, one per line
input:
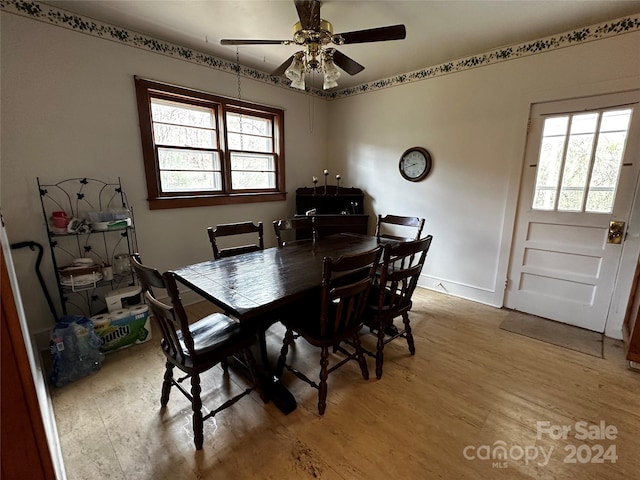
point(259, 286)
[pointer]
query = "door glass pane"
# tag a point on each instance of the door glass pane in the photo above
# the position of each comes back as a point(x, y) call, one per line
point(608, 160)
point(577, 162)
point(548, 173)
point(572, 167)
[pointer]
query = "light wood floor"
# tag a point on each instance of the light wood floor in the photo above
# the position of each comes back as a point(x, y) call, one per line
point(471, 387)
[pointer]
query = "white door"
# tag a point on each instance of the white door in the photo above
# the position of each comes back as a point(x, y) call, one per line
point(580, 174)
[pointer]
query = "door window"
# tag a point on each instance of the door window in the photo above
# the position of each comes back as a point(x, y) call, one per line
point(580, 160)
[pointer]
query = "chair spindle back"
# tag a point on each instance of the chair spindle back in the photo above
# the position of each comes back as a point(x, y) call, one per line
point(302, 227)
point(344, 297)
point(398, 284)
point(412, 223)
point(228, 229)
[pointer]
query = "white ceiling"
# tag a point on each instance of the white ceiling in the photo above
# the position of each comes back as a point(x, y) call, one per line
point(437, 31)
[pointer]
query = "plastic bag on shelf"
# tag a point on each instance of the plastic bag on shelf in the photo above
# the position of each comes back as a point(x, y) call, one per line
point(75, 350)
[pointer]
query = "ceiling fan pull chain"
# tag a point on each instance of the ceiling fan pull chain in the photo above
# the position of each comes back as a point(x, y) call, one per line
point(239, 95)
point(311, 104)
point(238, 72)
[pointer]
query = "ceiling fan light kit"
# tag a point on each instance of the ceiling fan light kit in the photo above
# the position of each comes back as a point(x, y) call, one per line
point(331, 72)
point(315, 34)
point(296, 70)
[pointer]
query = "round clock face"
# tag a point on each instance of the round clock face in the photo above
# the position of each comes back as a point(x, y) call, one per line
point(415, 164)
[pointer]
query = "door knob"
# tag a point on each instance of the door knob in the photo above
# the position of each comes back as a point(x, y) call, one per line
point(616, 231)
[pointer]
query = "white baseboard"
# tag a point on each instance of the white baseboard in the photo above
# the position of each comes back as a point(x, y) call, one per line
point(465, 291)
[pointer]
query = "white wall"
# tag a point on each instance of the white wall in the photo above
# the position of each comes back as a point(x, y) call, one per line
point(474, 124)
point(69, 110)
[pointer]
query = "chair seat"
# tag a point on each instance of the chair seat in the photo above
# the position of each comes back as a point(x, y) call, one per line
point(372, 307)
point(214, 337)
point(215, 332)
point(306, 324)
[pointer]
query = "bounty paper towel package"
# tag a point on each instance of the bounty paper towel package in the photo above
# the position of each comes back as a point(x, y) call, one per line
point(122, 328)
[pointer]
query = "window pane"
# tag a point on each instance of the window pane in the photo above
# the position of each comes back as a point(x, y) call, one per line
point(180, 181)
point(183, 136)
point(246, 161)
point(616, 120)
point(606, 169)
point(249, 143)
point(181, 114)
point(548, 172)
point(577, 162)
point(248, 124)
point(555, 127)
point(252, 171)
point(253, 180)
point(249, 133)
point(172, 159)
point(600, 201)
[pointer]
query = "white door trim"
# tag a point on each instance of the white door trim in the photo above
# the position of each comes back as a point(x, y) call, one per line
point(626, 270)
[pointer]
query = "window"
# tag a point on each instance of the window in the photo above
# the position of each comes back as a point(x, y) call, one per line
point(580, 160)
point(202, 149)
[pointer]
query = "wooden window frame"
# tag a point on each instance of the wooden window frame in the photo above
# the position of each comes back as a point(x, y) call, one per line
point(148, 89)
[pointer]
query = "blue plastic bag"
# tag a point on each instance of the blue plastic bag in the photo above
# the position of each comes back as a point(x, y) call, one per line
point(75, 350)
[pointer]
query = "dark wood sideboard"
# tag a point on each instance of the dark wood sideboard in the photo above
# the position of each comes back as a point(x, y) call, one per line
point(337, 209)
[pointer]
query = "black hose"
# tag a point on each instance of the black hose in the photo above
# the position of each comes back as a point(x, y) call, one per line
point(32, 246)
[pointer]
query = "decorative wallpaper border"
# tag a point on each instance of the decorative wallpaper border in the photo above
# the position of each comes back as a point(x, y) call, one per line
point(71, 21)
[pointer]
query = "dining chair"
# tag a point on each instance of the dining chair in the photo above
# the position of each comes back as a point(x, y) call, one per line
point(194, 348)
point(391, 294)
point(148, 278)
point(300, 229)
point(336, 316)
point(387, 227)
point(229, 229)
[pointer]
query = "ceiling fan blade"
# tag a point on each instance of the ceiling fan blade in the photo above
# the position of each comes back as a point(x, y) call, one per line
point(380, 34)
point(347, 64)
point(309, 13)
point(278, 72)
point(228, 41)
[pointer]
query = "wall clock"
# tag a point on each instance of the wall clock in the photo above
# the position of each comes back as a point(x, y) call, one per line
point(415, 164)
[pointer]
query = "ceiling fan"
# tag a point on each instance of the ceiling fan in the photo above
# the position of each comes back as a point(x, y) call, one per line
point(315, 35)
